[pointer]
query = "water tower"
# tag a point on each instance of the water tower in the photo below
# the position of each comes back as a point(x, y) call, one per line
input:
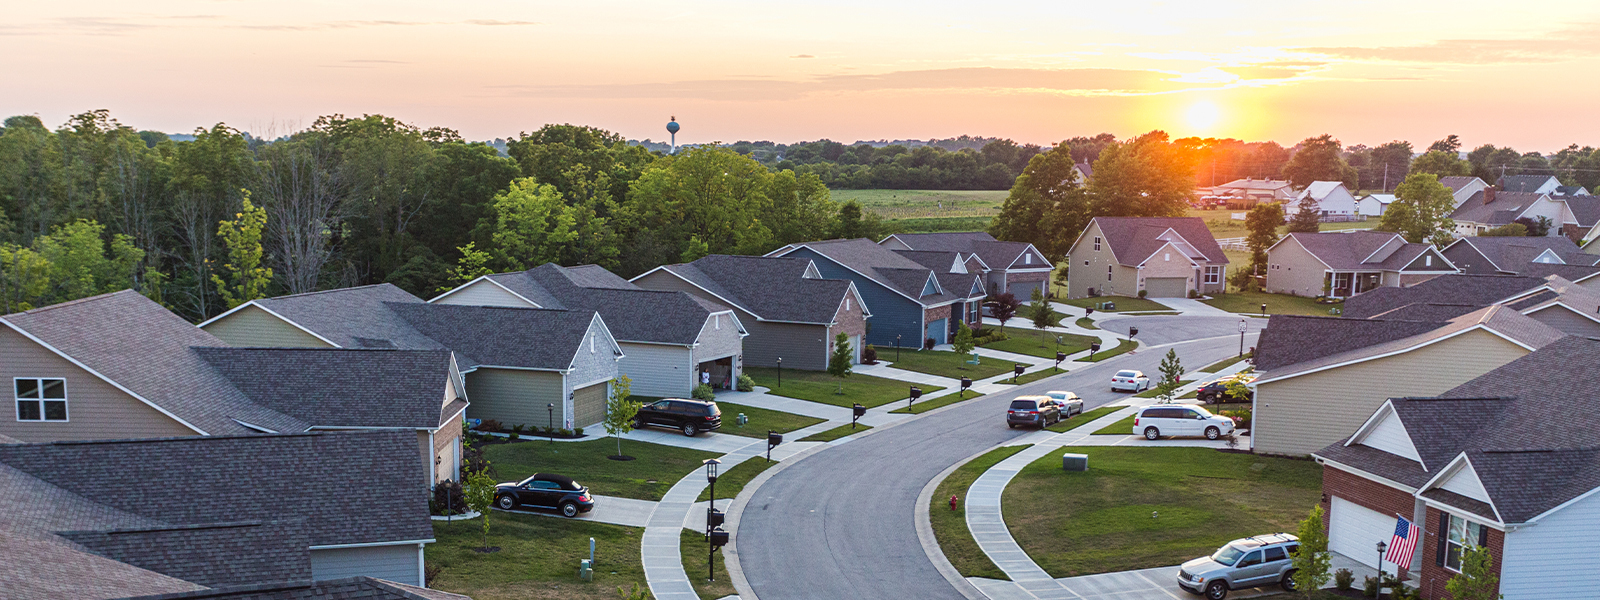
point(672, 128)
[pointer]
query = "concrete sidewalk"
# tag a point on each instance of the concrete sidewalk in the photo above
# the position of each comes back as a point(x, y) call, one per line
point(607, 509)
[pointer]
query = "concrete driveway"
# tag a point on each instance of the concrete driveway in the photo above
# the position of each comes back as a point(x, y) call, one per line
point(841, 523)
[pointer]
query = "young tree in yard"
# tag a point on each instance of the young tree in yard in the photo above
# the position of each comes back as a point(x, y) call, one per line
point(1311, 563)
point(243, 238)
point(1043, 316)
point(1308, 219)
point(480, 496)
point(1005, 307)
point(839, 361)
point(1421, 211)
point(1263, 222)
point(620, 411)
point(963, 340)
point(1476, 581)
point(1171, 376)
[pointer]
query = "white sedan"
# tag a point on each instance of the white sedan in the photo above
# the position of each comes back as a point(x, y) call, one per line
point(1071, 404)
point(1129, 381)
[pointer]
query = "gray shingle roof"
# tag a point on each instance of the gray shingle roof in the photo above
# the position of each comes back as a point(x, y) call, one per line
point(634, 315)
point(994, 253)
point(1133, 239)
point(1283, 342)
point(1456, 182)
point(1362, 250)
point(341, 388)
point(1513, 253)
point(882, 265)
point(350, 588)
point(1374, 338)
point(938, 260)
point(352, 317)
point(1585, 208)
point(1523, 183)
point(772, 288)
point(147, 349)
point(210, 555)
point(1567, 272)
point(1426, 311)
point(1477, 290)
point(1505, 207)
point(530, 338)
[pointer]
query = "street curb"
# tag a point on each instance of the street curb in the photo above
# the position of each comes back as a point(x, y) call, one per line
point(730, 552)
point(930, 542)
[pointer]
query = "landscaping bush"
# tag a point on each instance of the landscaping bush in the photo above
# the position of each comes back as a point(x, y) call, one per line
point(564, 432)
point(1143, 293)
point(927, 344)
point(518, 428)
point(746, 384)
point(448, 499)
point(1369, 586)
point(489, 425)
point(704, 392)
point(1241, 417)
point(1343, 579)
point(869, 355)
point(578, 432)
point(1194, 293)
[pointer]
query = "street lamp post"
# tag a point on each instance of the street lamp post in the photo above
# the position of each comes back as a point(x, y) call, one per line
point(551, 408)
point(1242, 326)
point(780, 370)
point(897, 347)
point(1263, 309)
point(1381, 547)
point(711, 521)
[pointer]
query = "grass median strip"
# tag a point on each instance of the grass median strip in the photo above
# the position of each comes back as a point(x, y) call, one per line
point(1033, 342)
point(1086, 323)
point(818, 386)
point(1137, 508)
point(918, 408)
point(761, 420)
point(835, 433)
point(692, 546)
point(950, 526)
point(538, 558)
point(1034, 376)
point(1123, 427)
point(732, 481)
point(1084, 419)
point(652, 472)
point(1124, 303)
point(1223, 364)
point(947, 364)
point(1123, 347)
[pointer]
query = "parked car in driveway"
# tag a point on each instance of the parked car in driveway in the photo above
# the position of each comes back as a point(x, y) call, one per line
point(1246, 563)
point(1152, 422)
point(1129, 381)
point(1070, 403)
point(545, 490)
point(1216, 392)
point(688, 416)
point(1039, 411)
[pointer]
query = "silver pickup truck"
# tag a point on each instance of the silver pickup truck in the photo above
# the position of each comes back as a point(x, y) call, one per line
point(1245, 563)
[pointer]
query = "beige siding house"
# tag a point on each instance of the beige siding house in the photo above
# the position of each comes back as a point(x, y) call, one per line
point(1321, 377)
point(1567, 307)
point(1163, 257)
point(1341, 265)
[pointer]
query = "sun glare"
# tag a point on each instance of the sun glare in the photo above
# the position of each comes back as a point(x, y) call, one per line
point(1203, 115)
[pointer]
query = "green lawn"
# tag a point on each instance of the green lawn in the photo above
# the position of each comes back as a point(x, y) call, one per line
point(1277, 304)
point(1086, 323)
point(1101, 521)
point(731, 481)
point(1042, 344)
point(1123, 427)
point(913, 204)
point(1032, 377)
point(1124, 303)
point(538, 558)
point(950, 526)
point(818, 386)
point(1123, 346)
point(835, 433)
point(692, 546)
point(761, 420)
point(1223, 364)
point(1083, 419)
point(939, 224)
point(924, 406)
point(651, 474)
point(947, 364)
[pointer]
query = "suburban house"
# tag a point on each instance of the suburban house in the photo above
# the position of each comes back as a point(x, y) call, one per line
point(1320, 377)
point(1566, 306)
point(120, 366)
point(1463, 187)
point(1499, 462)
point(1084, 171)
point(1248, 192)
point(1374, 205)
point(234, 513)
point(1331, 198)
point(1015, 268)
point(515, 361)
point(1510, 255)
point(910, 302)
point(1345, 264)
point(670, 340)
point(1165, 257)
point(790, 311)
point(1489, 208)
point(1530, 184)
point(1571, 190)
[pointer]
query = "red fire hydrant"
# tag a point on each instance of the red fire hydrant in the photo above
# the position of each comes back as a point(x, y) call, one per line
point(952, 503)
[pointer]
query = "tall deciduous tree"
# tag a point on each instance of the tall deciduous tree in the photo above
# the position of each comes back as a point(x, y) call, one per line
point(1262, 222)
point(532, 225)
point(1318, 159)
point(1046, 200)
point(1421, 211)
point(1145, 177)
point(1451, 144)
point(247, 277)
point(1441, 164)
point(300, 186)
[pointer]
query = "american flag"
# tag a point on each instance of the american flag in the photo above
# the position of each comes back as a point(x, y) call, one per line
point(1404, 544)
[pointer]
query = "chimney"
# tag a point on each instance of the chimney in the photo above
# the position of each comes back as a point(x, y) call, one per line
point(1488, 195)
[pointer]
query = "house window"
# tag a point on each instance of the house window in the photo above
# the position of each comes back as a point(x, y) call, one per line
point(591, 344)
point(1108, 272)
point(41, 399)
point(1096, 244)
point(1464, 533)
point(847, 304)
point(1428, 260)
point(1167, 257)
point(1213, 275)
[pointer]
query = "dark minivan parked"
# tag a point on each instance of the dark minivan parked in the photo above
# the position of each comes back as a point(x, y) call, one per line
point(688, 416)
point(1039, 411)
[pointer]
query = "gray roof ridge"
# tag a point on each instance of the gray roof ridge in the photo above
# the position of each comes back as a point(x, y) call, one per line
point(344, 289)
point(181, 527)
point(84, 300)
point(195, 438)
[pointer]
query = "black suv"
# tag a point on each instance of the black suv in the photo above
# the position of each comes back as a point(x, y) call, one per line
point(689, 416)
point(1039, 411)
point(1216, 392)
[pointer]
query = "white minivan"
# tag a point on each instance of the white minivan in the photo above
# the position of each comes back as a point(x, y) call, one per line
point(1180, 420)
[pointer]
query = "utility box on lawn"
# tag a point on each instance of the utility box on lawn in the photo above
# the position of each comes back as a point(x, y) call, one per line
point(1075, 462)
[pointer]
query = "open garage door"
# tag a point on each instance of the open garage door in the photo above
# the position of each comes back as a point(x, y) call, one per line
point(1167, 287)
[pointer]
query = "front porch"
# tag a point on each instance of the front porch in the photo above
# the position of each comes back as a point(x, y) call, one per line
point(1344, 284)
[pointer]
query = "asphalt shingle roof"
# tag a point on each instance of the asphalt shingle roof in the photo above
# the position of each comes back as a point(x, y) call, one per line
point(1366, 338)
point(350, 588)
point(1476, 290)
point(1362, 250)
point(634, 315)
point(1585, 208)
point(353, 317)
point(210, 555)
point(1456, 182)
point(1133, 239)
point(531, 338)
point(994, 253)
point(1568, 272)
point(1513, 253)
point(884, 266)
point(145, 348)
point(772, 288)
point(1523, 183)
point(341, 388)
point(1504, 209)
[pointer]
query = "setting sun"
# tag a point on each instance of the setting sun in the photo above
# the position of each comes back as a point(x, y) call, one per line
point(1203, 115)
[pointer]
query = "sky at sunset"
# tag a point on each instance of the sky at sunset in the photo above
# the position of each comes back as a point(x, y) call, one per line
point(1525, 74)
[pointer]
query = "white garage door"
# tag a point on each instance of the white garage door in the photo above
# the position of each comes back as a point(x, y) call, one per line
point(855, 349)
point(1167, 287)
point(1355, 530)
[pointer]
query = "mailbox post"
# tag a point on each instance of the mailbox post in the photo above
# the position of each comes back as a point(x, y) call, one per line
point(916, 392)
point(773, 439)
point(1093, 348)
point(1016, 371)
point(966, 382)
point(856, 412)
point(1060, 357)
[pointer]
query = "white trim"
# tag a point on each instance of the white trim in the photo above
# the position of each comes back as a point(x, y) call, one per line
point(698, 287)
point(484, 278)
point(40, 390)
point(258, 427)
point(114, 384)
point(510, 368)
point(1042, 259)
point(372, 544)
point(1396, 352)
point(1453, 268)
point(1557, 507)
point(786, 250)
point(1368, 475)
point(1451, 469)
point(1380, 248)
point(1552, 254)
point(986, 267)
point(736, 324)
point(1033, 270)
point(1165, 243)
point(1558, 302)
point(275, 314)
point(1475, 248)
point(1462, 513)
point(616, 345)
point(1291, 235)
point(933, 278)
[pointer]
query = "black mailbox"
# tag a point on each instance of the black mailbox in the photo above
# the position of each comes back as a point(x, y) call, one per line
point(774, 438)
point(1017, 369)
point(1094, 347)
point(858, 410)
point(966, 382)
point(1133, 331)
point(1061, 356)
point(1088, 311)
point(715, 518)
point(718, 538)
point(916, 392)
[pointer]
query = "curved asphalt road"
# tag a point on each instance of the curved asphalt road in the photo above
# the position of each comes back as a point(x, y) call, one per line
point(841, 523)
